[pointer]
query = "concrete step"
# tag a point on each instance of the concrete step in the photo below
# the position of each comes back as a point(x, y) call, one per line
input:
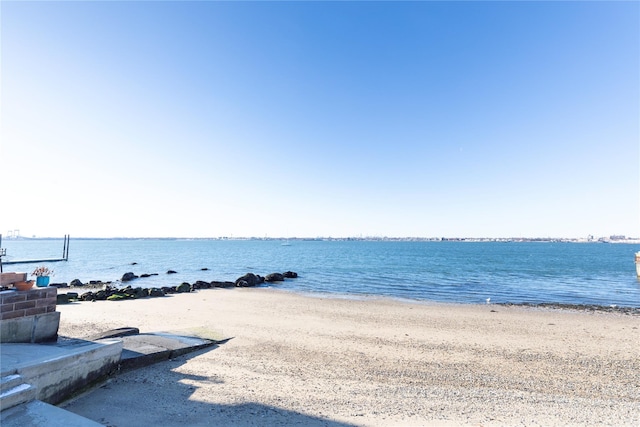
point(41, 414)
point(9, 381)
point(15, 392)
point(58, 371)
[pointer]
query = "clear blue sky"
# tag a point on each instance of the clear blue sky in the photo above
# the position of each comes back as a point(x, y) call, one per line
point(430, 119)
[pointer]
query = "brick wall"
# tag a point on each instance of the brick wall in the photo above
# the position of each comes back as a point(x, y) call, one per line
point(14, 304)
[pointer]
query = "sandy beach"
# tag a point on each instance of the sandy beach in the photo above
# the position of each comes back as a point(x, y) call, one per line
point(302, 360)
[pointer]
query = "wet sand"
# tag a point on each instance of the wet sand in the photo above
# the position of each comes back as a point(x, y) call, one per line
point(301, 360)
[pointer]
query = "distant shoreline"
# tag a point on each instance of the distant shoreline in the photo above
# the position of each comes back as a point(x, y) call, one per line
point(611, 239)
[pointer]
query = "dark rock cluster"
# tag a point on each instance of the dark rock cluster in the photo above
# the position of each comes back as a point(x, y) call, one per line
point(114, 293)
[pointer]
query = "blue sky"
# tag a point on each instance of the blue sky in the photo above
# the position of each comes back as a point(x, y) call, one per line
point(429, 119)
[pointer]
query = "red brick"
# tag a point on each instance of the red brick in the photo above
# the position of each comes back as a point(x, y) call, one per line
point(25, 305)
point(36, 294)
point(5, 308)
point(12, 315)
point(17, 297)
point(43, 302)
point(35, 310)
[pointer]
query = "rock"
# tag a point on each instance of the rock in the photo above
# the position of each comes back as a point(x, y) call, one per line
point(274, 277)
point(204, 269)
point(171, 272)
point(184, 287)
point(128, 276)
point(140, 293)
point(145, 275)
point(156, 292)
point(216, 284)
point(62, 299)
point(290, 274)
point(87, 296)
point(128, 291)
point(101, 295)
point(72, 295)
point(76, 283)
point(201, 285)
point(248, 280)
point(58, 285)
point(134, 263)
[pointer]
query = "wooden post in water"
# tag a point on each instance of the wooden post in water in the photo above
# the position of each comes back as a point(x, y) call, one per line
point(64, 247)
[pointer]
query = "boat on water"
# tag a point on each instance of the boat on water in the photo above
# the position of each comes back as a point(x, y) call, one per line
point(638, 263)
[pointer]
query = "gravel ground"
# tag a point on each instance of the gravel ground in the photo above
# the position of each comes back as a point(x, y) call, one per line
point(297, 360)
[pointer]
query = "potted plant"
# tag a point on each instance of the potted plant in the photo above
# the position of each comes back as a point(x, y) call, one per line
point(42, 276)
point(23, 286)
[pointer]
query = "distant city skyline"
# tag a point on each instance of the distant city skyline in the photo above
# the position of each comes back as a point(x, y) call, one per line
point(320, 119)
point(615, 238)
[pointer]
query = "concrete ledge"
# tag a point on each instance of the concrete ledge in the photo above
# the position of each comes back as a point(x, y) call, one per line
point(30, 329)
point(59, 372)
point(146, 349)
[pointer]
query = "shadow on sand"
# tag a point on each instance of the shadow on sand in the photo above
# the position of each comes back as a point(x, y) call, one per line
point(159, 395)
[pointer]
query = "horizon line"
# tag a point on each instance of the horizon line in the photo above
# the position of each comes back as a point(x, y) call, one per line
point(613, 237)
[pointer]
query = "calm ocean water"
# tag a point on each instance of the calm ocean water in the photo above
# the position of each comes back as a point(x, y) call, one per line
point(463, 272)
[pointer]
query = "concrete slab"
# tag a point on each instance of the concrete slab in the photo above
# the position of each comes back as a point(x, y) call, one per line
point(16, 395)
point(57, 370)
point(37, 413)
point(30, 329)
point(145, 349)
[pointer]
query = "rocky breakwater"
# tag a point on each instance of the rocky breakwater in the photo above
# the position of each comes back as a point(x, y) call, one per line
point(108, 291)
